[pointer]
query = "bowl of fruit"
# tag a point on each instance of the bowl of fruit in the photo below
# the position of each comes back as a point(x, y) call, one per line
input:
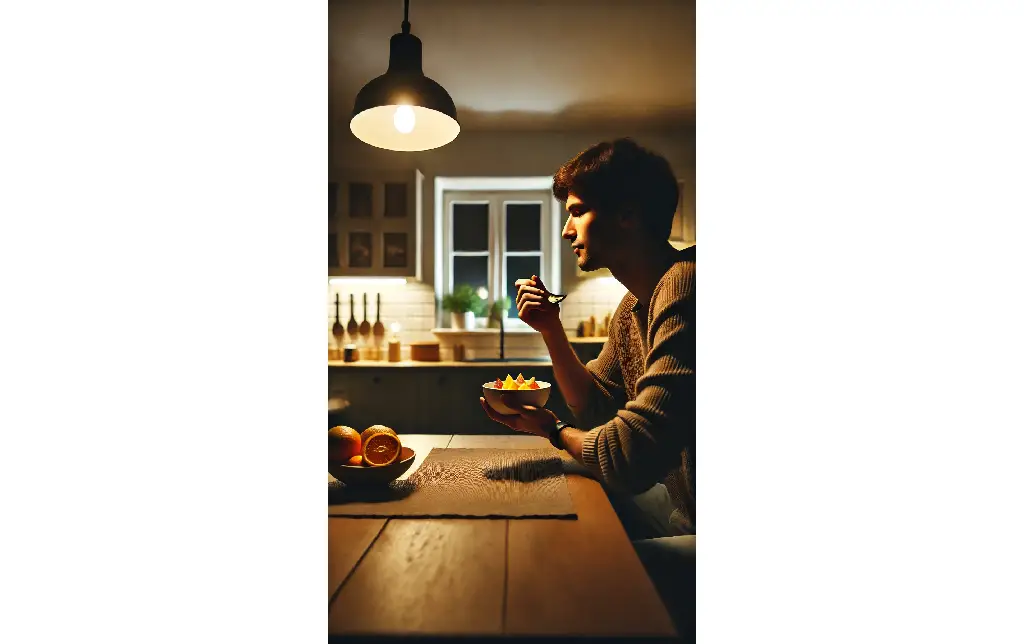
point(374, 456)
point(523, 391)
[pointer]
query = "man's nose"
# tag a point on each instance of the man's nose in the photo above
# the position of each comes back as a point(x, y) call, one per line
point(568, 232)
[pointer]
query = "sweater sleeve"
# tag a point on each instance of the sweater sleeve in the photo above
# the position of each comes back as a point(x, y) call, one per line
point(608, 393)
point(644, 441)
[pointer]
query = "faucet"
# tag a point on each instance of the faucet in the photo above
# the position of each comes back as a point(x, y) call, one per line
point(501, 337)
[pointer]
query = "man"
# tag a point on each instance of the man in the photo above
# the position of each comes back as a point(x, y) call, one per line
point(634, 404)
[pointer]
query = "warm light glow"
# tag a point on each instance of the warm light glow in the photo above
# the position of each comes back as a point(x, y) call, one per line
point(482, 292)
point(372, 280)
point(378, 127)
point(405, 119)
point(396, 327)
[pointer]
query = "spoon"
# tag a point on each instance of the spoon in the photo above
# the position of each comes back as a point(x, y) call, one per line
point(554, 298)
point(378, 326)
point(338, 331)
point(353, 326)
point(364, 326)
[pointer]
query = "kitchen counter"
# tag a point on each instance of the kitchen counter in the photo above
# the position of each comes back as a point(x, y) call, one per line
point(444, 363)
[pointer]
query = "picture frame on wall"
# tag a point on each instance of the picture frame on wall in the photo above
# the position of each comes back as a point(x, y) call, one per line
point(395, 200)
point(360, 250)
point(396, 250)
point(332, 250)
point(360, 200)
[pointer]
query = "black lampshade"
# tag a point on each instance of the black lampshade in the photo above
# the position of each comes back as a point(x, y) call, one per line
point(403, 109)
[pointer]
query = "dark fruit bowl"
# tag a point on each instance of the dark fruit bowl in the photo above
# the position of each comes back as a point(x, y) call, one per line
point(372, 475)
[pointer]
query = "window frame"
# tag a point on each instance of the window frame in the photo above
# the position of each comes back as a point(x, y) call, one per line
point(498, 193)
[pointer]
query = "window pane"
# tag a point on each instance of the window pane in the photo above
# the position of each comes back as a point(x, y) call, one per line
point(469, 226)
point(470, 270)
point(519, 268)
point(522, 226)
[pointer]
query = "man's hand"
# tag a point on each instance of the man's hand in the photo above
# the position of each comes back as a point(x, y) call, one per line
point(528, 419)
point(533, 305)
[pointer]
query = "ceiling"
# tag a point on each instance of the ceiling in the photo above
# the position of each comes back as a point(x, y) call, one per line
point(529, 64)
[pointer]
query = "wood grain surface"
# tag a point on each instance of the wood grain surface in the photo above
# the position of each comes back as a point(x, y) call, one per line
point(436, 576)
point(580, 577)
point(347, 540)
point(493, 577)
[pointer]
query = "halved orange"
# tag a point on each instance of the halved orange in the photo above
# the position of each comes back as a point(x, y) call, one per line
point(380, 445)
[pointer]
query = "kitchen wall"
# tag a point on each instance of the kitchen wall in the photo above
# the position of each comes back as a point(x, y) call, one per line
point(493, 154)
point(589, 297)
point(410, 304)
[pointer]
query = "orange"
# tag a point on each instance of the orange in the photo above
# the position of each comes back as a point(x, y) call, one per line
point(381, 445)
point(373, 429)
point(343, 443)
point(356, 460)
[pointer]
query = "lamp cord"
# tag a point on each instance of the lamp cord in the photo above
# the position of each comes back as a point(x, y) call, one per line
point(405, 23)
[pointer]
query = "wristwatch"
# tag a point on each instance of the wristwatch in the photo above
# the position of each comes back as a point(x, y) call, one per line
point(556, 436)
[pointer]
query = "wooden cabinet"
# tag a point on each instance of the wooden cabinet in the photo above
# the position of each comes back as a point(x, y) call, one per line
point(375, 224)
point(424, 399)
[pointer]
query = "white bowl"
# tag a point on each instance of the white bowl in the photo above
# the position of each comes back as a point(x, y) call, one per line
point(534, 397)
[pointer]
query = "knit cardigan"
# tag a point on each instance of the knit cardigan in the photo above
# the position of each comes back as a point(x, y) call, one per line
point(643, 381)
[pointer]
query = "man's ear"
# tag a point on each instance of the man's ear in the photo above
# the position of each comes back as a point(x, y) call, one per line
point(628, 219)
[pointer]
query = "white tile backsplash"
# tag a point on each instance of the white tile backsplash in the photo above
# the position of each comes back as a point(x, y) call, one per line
point(592, 296)
point(412, 305)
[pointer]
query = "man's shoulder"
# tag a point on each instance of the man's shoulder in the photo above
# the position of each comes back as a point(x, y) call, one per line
point(679, 282)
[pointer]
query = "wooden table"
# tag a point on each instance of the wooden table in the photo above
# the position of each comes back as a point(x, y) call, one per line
point(491, 577)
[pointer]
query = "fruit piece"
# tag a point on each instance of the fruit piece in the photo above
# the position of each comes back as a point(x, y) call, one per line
point(509, 383)
point(519, 379)
point(356, 460)
point(373, 429)
point(534, 385)
point(343, 443)
point(531, 381)
point(497, 384)
point(381, 448)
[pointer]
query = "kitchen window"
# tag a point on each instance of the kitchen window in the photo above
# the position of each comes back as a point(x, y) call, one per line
point(491, 238)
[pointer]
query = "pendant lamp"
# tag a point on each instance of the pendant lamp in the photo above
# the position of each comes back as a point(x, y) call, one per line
point(403, 110)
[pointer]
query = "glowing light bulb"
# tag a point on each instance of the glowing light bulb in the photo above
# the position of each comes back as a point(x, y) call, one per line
point(405, 119)
point(482, 292)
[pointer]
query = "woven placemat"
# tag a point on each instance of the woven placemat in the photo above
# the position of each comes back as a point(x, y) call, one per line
point(493, 483)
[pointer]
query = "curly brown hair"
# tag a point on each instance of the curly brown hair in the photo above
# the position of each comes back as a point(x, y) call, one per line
point(619, 176)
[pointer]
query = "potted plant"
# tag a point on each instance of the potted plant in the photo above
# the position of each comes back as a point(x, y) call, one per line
point(499, 310)
point(463, 303)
